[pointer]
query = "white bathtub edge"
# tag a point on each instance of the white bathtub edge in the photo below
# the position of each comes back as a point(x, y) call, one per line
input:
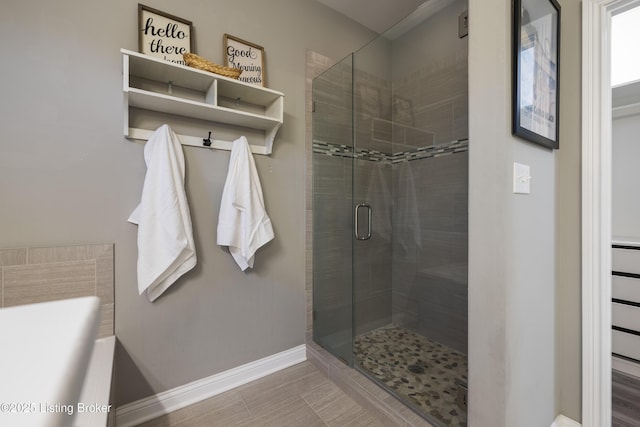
point(93, 405)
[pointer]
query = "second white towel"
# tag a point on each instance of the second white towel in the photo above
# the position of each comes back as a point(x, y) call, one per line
point(243, 223)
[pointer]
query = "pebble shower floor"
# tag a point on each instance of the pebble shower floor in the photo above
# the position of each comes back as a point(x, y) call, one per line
point(427, 374)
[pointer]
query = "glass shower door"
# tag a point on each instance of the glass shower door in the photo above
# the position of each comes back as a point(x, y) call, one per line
point(390, 223)
point(332, 203)
point(372, 189)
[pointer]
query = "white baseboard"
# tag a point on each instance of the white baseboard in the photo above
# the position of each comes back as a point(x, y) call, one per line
point(168, 401)
point(562, 421)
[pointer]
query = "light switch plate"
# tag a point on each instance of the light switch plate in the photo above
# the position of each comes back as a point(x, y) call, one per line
point(463, 24)
point(521, 178)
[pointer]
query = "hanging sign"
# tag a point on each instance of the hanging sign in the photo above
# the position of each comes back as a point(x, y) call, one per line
point(248, 57)
point(162, 35)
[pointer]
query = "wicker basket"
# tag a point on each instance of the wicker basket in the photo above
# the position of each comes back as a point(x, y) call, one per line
point(200, 63)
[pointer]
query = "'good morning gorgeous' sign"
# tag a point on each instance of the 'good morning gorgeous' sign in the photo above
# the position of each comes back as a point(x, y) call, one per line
point(247, 57)
point(162, 35)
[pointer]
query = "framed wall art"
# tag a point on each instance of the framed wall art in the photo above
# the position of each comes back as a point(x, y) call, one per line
point(248, 57)
point(162, 35)
point(536, 71)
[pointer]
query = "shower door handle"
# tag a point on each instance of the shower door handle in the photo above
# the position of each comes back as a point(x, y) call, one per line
point(355, 222)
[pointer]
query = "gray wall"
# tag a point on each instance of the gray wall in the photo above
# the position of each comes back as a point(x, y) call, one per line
point(568, 225)
point(68, 176)
point(523, 250)
point(511, 248)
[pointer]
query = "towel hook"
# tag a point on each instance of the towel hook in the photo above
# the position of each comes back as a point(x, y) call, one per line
point(207, 141)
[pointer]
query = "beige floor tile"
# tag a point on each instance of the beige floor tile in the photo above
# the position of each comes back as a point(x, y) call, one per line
point(329, 402)
point(356, 417)
point(282, 386)
point(226, 409)
point(290, 413)
point(299, 396)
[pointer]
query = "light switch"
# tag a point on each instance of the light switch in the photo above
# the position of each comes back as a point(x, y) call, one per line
point(463, 24)
point(521, 178)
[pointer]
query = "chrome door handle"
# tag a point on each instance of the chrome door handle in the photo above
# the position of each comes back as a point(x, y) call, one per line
point(355, 222)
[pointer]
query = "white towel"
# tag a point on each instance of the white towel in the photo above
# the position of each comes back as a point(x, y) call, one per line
point(165, 239)
point(243, 223)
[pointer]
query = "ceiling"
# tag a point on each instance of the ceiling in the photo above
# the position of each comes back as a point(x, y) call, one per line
point(377, 15)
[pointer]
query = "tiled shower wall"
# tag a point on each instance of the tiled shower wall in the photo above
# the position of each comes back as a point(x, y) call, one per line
point(434, 98)
point(430, 248)
point(430, 214)
point(33, 275)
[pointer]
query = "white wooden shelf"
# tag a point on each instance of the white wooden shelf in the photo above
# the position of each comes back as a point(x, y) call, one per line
point(177, 90)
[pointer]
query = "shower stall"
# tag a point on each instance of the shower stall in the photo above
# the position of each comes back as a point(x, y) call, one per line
point(390, 189)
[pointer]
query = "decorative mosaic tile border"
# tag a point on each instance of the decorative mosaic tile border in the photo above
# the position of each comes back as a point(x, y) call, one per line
point(333, 150)
point(341, 150)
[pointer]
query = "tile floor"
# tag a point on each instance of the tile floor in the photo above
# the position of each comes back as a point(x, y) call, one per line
point(426, 374)
point(299, 396)
point(302, 396)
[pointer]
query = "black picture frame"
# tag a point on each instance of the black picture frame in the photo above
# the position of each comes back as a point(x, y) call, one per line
point(536, 71)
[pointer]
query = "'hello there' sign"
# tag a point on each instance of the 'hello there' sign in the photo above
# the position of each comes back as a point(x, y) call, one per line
point(163, 36)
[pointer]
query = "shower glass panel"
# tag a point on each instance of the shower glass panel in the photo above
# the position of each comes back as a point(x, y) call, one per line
point(332, 201)
point(391, 263)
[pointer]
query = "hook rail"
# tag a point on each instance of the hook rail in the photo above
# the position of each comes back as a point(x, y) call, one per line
point(144, 135)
